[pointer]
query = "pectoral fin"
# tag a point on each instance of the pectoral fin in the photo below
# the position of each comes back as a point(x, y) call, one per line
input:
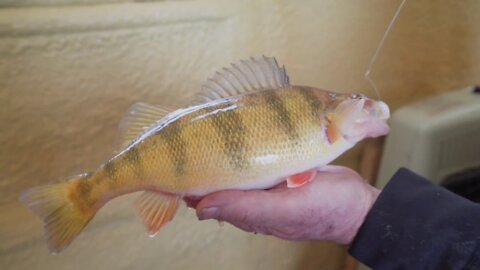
point(156, 209)
point(301, 179)
point(332, 132)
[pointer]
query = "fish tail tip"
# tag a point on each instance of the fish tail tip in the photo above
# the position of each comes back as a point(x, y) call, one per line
point(63, 219)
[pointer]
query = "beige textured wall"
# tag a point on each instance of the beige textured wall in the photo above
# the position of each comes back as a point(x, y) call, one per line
point(57, 3)
point(68, 73)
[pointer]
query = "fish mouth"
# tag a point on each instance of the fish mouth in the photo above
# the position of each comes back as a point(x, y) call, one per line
point(377, 109)
point(382, 111)
point(379, 128)
point(363, 118)
point(379, 113)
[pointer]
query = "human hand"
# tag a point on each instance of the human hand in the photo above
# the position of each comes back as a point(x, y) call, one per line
point(331, 207)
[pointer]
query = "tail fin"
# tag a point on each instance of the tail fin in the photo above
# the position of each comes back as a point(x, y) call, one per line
point(58, 206)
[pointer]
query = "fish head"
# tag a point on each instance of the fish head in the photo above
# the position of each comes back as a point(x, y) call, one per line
point(357, 117)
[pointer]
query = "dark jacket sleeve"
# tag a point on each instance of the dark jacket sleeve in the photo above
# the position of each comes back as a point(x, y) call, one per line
point(415, 224)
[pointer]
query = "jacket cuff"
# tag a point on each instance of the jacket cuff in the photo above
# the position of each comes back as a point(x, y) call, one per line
point(412, 223)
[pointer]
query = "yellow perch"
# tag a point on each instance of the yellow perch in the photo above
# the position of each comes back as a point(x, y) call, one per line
point(249, 129)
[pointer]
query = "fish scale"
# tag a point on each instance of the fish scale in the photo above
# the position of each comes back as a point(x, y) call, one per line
point(248, 129)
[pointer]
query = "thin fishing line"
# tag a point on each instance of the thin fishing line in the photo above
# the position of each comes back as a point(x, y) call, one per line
point(379, 48)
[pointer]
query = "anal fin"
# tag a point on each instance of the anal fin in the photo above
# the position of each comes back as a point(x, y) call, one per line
point(301, 179)
point(156, 209)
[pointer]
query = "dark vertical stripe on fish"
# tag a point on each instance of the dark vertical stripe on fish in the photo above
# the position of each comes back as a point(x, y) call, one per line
point(313, 100)
point(176, 146)
point(110, 169)
point(231, 129)
point(133, 156)
point(85, 186)
point(84, 190)
point(276, 104)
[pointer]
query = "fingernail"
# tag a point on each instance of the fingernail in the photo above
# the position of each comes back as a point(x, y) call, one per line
point(208, 213)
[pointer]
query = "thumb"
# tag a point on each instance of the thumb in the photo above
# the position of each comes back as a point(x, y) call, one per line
point(243, 209)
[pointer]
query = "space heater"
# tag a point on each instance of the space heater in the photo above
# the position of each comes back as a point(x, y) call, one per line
point(438, 138)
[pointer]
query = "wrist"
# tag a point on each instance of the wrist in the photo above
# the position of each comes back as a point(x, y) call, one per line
point(355, 217)
point(372, 196)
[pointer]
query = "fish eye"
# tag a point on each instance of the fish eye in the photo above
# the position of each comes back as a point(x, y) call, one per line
point(358, 96)
point(355, 96)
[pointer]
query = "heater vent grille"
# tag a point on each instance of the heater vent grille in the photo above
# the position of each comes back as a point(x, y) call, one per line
point(460, 150)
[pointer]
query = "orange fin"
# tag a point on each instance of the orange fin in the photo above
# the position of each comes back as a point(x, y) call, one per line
point(301, 179)
point(156, 209)
point(60, 212)
point(332, 132)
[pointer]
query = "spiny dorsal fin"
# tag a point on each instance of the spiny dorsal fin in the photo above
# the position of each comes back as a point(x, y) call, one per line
point(255, 74)
point(138, 119)
point(156, 209)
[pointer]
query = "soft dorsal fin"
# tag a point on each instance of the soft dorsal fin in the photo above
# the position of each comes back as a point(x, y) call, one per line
point(138, 119)
point(254, 74)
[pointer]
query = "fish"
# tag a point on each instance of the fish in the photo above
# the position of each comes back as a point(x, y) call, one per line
point(248, 128)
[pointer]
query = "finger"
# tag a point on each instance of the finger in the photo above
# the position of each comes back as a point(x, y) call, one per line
point(282, 185)
point(217, 200)
point(253, 211)
point(335, 169)
point(237, 206)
